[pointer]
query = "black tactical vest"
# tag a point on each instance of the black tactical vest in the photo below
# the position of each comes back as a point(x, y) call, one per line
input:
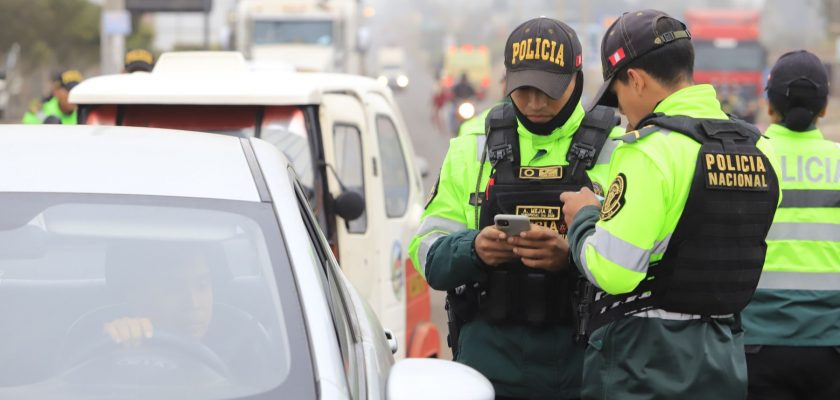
point(515, 293)
point(714, 258)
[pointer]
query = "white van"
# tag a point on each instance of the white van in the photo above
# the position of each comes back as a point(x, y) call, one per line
point(345, 137)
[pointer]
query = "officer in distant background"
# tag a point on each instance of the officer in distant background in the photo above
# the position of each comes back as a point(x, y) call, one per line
point(56, 105)
point(509, 297)
point(139, 60)
point(792, 325)
point(677, 247)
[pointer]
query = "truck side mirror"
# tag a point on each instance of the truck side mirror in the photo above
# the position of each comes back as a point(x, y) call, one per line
point(349, 205)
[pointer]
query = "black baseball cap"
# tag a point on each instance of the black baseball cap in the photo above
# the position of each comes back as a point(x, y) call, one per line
point(139, 60)
point(543, 53)
point(631, 36)
point(798, 73)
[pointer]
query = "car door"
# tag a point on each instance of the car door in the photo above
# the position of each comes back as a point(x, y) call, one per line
point(347, 152)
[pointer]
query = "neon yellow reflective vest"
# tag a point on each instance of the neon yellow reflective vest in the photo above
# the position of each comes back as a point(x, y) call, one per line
point(798, 298)
point(50, 107)
point(658, 171)
point(520, 360)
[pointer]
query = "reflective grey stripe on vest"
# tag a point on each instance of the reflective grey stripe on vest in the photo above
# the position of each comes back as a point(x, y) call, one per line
point(623, 253)
point(606, 151)
point(432, 223)
point(434, 228)
point(799, 280)
point(479, 146)
point(425, 246)
point(804, 231)
point(810, 198)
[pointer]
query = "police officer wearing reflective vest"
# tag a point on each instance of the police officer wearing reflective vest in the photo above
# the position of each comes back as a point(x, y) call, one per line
point(509, 297)
point(56, 108)
point(792, 324)
point(139, 60)
point(675, 251)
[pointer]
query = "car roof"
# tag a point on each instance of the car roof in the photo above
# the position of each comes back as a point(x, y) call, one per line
point(125, 160)
point(210, 78)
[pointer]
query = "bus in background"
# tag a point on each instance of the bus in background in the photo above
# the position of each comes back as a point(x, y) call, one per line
point(729, 56)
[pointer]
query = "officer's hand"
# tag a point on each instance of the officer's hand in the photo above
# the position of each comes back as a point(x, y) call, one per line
point(574, 201)
point(492, 247)
point(129, 331)
point(541, 248)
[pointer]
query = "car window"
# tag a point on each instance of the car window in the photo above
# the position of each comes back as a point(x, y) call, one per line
point(283, 126)
point(349, 166)
point(348, 341)
point(205, 286)
point(394, 169)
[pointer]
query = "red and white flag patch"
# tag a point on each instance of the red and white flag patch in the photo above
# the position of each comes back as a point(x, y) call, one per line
point(616, 57)
point(578, 60)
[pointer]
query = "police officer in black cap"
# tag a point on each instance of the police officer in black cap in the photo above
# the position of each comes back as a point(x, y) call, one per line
point(792, 325)
point(677, 247)
point(511, 293)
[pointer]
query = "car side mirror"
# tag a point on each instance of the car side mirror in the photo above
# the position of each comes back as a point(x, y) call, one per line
point(429, 378)
point(349, 205)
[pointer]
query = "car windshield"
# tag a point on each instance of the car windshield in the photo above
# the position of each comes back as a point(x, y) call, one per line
point(116, 296)
point(283, 126)
point(725, 55)
point(318, 32)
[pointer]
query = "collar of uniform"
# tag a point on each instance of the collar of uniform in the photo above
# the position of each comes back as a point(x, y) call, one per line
point(566, 130)
point(696, 101)
point(780, 131)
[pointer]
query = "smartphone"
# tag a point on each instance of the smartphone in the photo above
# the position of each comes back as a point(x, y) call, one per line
point(512, 224)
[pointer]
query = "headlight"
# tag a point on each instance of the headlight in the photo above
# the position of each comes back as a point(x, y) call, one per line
point(466, 110)
point(383, 80)
point(402, 81)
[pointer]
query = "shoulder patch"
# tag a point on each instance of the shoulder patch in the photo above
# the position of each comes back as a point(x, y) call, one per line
point(614, 200)
point(433, 193)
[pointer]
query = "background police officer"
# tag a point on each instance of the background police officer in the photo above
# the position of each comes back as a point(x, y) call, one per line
point(518, 334)
point(678, 245)
point(56, 105)
point(139, 60)
point(792, 325)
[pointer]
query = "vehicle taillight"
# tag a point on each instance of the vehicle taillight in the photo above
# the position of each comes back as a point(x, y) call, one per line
point(467, 48)
point(485, 82)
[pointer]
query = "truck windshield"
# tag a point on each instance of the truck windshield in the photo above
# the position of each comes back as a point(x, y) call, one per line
point(311, 32)
point(740, 56)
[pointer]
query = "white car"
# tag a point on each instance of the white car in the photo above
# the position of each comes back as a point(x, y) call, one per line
point(149, 263)
point(344, 135)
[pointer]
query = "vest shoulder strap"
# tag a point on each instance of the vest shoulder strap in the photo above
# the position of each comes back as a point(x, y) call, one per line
point(590, 137)
point(705, 130)
point(502, 143)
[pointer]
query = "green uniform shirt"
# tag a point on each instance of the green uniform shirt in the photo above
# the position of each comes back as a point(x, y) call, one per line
point(669, 354)
point(50, 107)
point(798, 298)
point(521, 361)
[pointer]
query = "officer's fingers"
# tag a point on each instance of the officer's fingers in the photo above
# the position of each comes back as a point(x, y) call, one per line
point(538, 232)
point(533, 253)
point(586, 191)
point(491, 233)
point(135, 328)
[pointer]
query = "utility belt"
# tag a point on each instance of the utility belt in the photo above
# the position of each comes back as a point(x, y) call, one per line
point(594, 308)
point(516, 296)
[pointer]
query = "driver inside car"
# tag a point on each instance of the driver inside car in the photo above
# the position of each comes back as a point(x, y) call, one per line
point(168, 296)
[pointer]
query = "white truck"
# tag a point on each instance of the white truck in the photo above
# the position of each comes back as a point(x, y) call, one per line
point(312, 35)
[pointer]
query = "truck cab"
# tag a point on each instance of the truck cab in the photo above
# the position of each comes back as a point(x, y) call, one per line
point(345, 138)
point(729, 56)
point(313, 35)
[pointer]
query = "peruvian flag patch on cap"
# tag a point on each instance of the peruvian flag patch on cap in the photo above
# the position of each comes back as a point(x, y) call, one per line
point(578, 60)
point(616, 57)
